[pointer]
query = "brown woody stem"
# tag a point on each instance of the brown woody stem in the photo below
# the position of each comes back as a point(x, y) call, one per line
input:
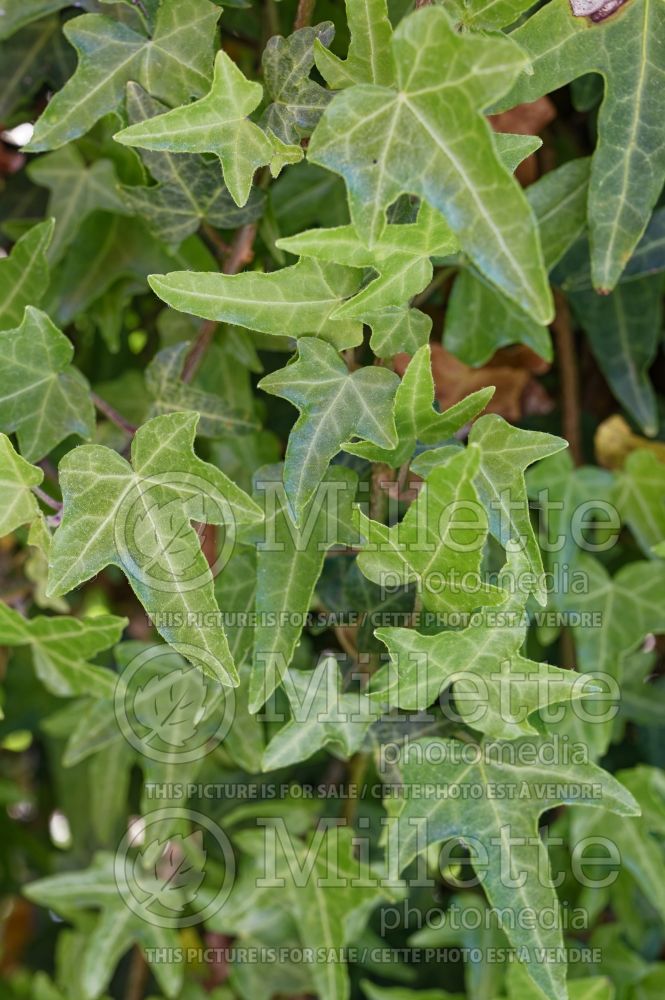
point(304, 14)
point(137, 978)
point(112, 414)
point(239, 254)
point(570, 393)
point(46, 499)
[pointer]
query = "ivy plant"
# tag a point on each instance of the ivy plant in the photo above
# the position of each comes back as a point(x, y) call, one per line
point(332, 516)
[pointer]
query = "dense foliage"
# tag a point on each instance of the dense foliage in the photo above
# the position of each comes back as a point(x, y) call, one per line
point(333, 477)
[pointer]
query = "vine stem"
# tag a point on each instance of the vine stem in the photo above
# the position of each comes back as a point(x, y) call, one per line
point(567, 647)
point(138, 975)
point(112, 414)
point(381, 476)
point(240, 253)
point(304, 14)
point(221, 248)
point(46, 499)
point(49, 469)
point(355, 775)
point(570, 398)
point(439, 279)
point(271, 19)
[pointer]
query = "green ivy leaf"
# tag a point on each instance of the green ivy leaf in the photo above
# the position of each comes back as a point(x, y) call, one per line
point(326, 906)
point(558, 200)
point(138, 517)
point(640, 498)
point(113, 931)
point(168, 711)
point(506, 827)
point(173, 65)
point(335, 405)
point(61, 647)
point(296, 101)
point(190, 190)
point(297, 300)
point(400, 256)
point(416, 419)
point(374, 992)
point(109, 255)
point(19, 505)
point(623, 329)
point(370, 135)
point(109, 777)
point(44, 397)
point(16, 14)
point(627, 608)
point(289, 560)
point(566, 489)
point(163, 379)
point(77, 189)
point(498, 688)
point(626, 172)
point(37, 55)
point(323, 716)
point(574, 274)
point(479, 319)
point(485, 977)
point(166, 677)
point(370, 58)
point(492, 14)
point(396, 330)
point(506, 452)
point(218, 123)
point(438, 543)
point(637, 840)
point(24, 275)
point(521, 987)
point(610, 620)
point(36, 566)
point(235, 590)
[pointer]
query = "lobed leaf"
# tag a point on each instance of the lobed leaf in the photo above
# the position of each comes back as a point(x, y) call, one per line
point(627, 169)
point(335, 405)
point(218, 123)
point(370, 135)
point(44, 397)
point(172, 65)
point(138, 517)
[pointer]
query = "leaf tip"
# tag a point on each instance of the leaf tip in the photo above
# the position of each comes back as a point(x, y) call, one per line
point(121, 136)
point(157, 282)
